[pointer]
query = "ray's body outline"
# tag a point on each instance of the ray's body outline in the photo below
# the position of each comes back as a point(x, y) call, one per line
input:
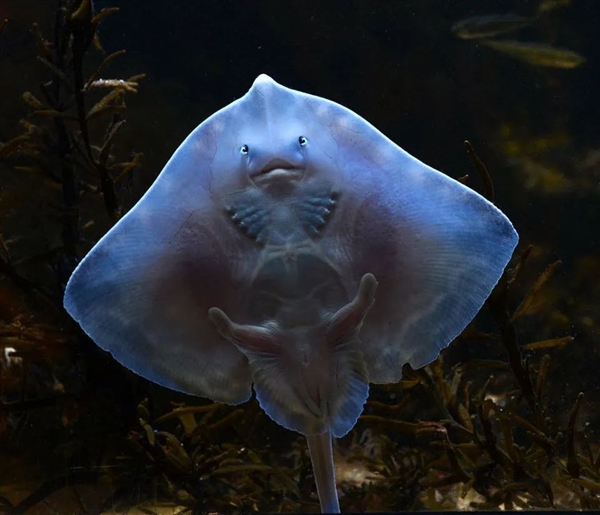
point(432, 249)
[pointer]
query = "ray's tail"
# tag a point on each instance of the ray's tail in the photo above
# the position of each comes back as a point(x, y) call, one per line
point(321, 455)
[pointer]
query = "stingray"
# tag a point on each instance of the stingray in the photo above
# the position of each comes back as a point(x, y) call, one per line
point(290, 247)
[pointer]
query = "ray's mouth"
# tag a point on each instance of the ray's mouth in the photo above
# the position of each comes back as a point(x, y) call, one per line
point(277, 170)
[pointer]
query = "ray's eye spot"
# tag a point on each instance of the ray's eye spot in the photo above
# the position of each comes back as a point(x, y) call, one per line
point(244, 149)
point(303, 141)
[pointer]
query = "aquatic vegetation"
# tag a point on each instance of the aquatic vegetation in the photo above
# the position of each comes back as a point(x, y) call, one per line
point(549, 5)
point(537, 54)
point(61, 164)
point(551, 163)
point(491, 25)
point(56, 145)
point(478, 27)
point(487, 441)
point(485, 28)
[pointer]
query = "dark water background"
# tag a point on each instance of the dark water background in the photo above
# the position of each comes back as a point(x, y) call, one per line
point(397, 64)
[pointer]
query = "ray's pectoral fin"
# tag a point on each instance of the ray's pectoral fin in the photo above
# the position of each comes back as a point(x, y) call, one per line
point(309, 379)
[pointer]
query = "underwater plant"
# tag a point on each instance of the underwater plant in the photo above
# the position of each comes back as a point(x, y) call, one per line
point(63, 163)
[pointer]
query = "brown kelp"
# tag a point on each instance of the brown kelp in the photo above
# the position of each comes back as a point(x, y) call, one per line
point(472, 430)
point(63, 161)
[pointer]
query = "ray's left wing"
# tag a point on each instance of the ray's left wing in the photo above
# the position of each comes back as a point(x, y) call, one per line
point(144, 291)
